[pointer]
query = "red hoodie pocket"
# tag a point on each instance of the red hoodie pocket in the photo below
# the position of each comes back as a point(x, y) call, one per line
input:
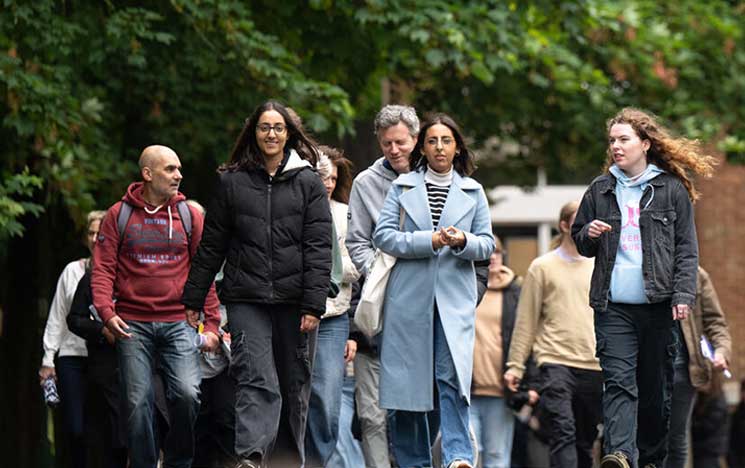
point(147, 292)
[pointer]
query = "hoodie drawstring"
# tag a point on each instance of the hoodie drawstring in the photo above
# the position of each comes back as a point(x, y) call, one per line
point(170, 223)
point(650, 198)
point(170, 218)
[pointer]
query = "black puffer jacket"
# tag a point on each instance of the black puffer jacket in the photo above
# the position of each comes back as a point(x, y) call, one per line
point(274, 234)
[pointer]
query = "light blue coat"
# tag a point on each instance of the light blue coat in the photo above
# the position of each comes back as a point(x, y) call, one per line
point(423, 277)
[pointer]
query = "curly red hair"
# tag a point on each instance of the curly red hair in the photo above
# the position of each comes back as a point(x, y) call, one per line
point(679, 156)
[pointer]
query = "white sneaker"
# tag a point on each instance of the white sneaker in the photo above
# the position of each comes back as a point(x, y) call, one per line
point(459, 464)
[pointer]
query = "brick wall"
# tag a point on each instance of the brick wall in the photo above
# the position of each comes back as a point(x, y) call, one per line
point(720, 222)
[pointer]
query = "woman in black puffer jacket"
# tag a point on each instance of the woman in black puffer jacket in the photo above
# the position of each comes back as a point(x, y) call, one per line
point(271, 223)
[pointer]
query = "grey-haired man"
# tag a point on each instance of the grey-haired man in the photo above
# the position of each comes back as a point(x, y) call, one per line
point(396, 128)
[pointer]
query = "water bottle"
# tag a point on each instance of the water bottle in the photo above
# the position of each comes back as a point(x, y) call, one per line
point(200, 341)
point(51, 397)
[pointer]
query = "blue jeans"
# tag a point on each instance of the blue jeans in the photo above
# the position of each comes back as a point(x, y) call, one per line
point(322, 430)
point(410, 429)
point(348, 451)
point(412, 434)
point(173, 344)
point(494, 425)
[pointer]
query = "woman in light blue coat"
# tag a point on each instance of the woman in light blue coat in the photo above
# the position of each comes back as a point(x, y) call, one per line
point(430, 304)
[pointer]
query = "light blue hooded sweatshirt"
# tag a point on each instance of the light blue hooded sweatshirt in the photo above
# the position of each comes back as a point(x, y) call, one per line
point(627, 279)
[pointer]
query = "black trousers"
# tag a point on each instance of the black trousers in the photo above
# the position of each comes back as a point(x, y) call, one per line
point(681, 409)
point(571, 404)
point(637, 346)
point(71, 381)
point(214, 432)
point(106, 414)
point(271, 366)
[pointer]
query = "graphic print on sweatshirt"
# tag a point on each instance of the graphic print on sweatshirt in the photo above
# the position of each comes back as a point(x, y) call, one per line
point(149, 243)
point(627, 278)
point(631, 238)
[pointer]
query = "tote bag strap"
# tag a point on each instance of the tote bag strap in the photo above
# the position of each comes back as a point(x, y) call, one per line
point(401, 212)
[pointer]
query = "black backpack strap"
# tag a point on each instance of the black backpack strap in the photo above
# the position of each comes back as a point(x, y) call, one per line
point(125, 211)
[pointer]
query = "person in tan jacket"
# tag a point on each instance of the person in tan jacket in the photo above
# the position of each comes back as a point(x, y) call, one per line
point(692, 370)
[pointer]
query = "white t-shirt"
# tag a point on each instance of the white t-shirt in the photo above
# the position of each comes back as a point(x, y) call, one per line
point(57, 337)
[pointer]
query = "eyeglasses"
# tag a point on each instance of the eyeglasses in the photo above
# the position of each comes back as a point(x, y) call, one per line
point(266, 128)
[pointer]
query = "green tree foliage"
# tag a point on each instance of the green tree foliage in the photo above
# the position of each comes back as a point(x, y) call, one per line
point(536, 80)
point(11, 208)
point(86, 85)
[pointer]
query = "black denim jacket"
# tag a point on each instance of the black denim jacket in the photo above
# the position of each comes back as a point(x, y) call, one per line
point(669, 245)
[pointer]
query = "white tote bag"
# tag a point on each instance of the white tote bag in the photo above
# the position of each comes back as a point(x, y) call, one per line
point(369, 315)
point(368, 318)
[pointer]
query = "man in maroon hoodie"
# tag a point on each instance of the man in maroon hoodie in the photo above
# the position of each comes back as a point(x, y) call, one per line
point(138, 278)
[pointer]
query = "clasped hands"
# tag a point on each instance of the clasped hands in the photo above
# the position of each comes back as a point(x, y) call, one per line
point(451, 236)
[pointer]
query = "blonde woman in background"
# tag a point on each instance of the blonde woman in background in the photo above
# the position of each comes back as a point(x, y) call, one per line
point(70, 350)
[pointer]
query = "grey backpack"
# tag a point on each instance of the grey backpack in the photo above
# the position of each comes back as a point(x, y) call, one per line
point(126, 211)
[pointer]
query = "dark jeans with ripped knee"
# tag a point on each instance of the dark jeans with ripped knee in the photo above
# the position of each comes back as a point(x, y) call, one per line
point(271, 366)
point(636, 345)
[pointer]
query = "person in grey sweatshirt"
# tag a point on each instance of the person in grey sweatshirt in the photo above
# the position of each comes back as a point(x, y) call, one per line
point(396, 128)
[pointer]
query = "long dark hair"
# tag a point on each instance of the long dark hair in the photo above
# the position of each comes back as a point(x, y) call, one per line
point(246, 154)
point(343, 173)
point(464, 159)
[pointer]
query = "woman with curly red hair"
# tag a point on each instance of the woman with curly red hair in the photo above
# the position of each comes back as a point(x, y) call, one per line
point(637, 221)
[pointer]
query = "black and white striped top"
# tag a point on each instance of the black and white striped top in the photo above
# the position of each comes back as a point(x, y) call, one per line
point(438, 186)
point(436, 195)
